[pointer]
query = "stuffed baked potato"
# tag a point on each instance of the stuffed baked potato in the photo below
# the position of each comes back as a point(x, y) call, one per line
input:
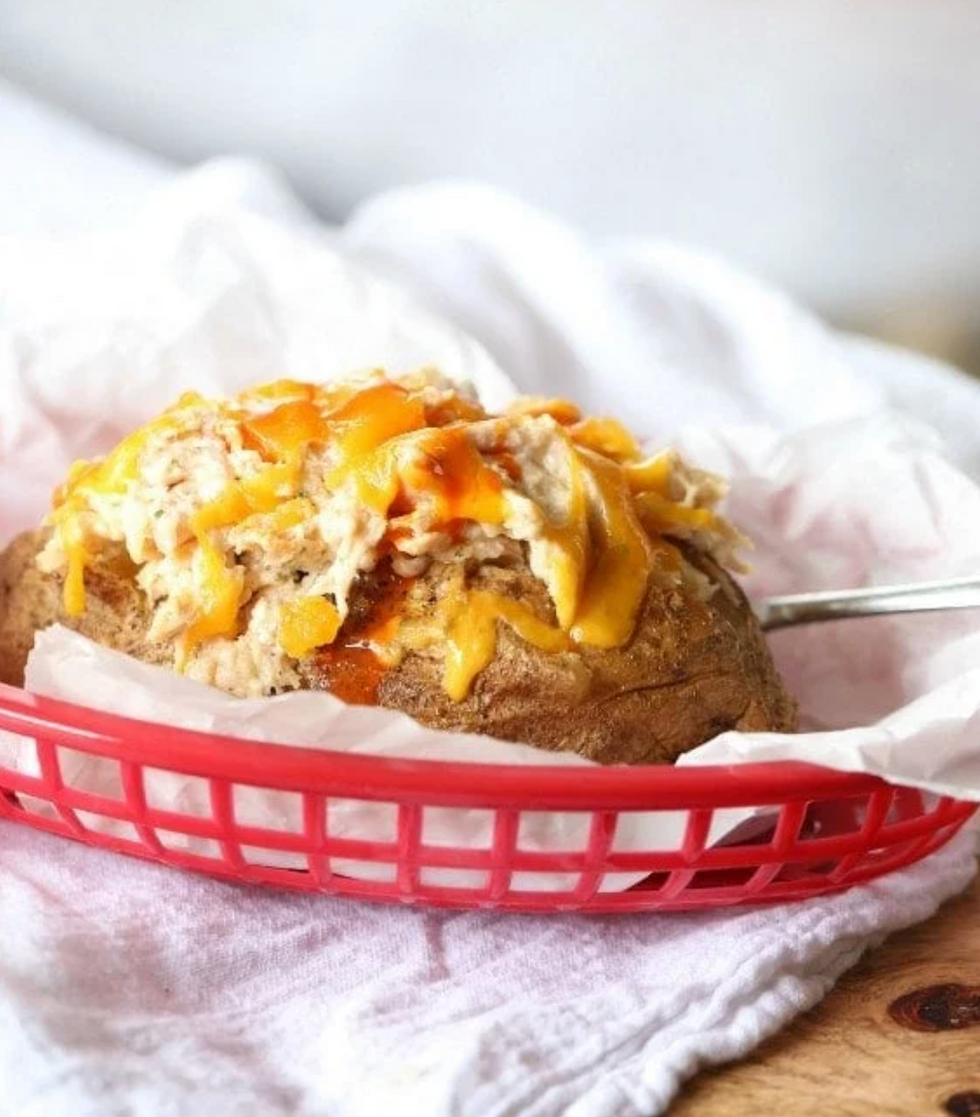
point(527, 576)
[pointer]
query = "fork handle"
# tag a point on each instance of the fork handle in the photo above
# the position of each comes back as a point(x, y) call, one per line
point(923, 597)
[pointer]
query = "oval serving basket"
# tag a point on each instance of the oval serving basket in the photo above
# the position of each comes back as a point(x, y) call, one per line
point(815, 830)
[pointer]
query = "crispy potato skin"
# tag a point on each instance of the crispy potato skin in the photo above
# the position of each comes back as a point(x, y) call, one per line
point(116, 613)
point(693, 668)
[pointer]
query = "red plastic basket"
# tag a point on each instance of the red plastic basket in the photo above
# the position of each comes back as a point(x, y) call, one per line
point(823, 830)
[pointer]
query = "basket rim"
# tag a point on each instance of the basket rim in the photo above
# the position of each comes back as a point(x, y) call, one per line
point(289, 766)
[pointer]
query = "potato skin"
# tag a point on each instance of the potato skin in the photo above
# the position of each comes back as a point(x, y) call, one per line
point(116, 613)
point(693, 668)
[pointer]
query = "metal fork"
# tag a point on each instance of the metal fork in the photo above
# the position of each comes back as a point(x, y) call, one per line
point(922, 597)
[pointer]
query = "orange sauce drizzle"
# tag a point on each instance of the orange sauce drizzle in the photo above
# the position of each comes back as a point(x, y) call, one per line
point(351, 667)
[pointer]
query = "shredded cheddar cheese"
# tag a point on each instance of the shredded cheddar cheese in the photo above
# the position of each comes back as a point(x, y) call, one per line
point(250, 520)
point(621, 562)
point(471, 635)
point(606, 436)
point(310, 622)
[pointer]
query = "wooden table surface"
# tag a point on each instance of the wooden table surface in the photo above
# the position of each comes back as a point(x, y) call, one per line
point(898, 1037)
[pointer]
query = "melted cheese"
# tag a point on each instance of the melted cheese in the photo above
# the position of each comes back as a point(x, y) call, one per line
point(281, 432)
point(606, 436)
point(596, 605)
point(221, 586)
point(461, 484)
point(621, 562)
point(371, 433)
point(441, 464)
point(660, 515)
point(374, 474)
point(74, 591)
point(110, 477)
point(221, 589)
point(653, 475)
point(280, 389)
point(373, 417)
point(559, 409)
point(471, 635)
point(309, 623)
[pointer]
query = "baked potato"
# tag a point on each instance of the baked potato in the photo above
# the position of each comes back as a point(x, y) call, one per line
point(694, 668)
point(467, 633)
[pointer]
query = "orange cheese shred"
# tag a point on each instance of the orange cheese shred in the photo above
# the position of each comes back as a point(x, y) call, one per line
point(74, 591)
point(471, 635)
point(221, 589)
point(310, 622)
point(109, 477)
point(606, 436)
point(374, 416)
point(652, 475)
point(290, 427)
point(661, 516)
point(560, 410)
point(462, 485)
point(621, 562)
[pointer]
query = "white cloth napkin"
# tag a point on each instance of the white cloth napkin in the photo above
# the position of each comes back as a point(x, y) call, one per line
point(130, 989)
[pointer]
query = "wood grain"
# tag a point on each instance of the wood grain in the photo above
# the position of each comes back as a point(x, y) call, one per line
point(885, 1043)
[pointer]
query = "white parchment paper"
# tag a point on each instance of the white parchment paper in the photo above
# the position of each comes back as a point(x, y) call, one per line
point(216, 297)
